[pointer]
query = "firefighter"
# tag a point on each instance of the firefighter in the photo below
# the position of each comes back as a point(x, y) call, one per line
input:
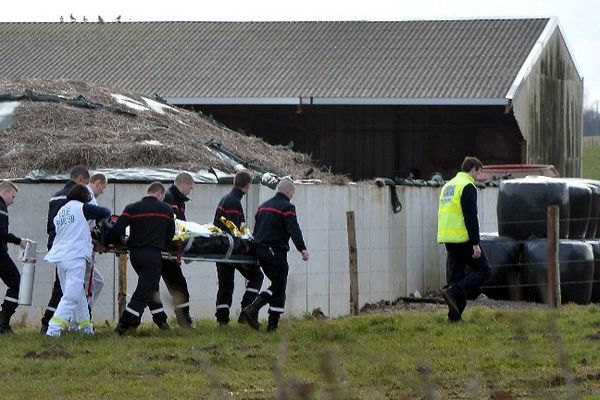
point(9, 273)
point(458, 229)
point(230, 208)
point(79, 175)
point(275, 224)
point(71, 251)
point(151, 225)
point(175, 197)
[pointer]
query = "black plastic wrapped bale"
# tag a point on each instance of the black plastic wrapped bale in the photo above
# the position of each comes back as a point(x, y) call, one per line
point(503, 254)
point(596, 284)
point(522, 207)
point(580, 206)
point(593, 231)
point(576, 259)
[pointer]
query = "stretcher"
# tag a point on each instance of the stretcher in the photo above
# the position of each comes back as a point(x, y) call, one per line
point(235, 250)
point(232, 254)
point(192, 242)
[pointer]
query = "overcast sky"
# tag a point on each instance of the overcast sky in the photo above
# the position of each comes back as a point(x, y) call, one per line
point(579, 19)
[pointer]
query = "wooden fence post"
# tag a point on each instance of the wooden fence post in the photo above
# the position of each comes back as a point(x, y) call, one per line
point(122, 296)
point(552, 264)
point(353, 258)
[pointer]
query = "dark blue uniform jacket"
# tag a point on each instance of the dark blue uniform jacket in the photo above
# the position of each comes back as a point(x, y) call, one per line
point(276, 223)
point(5, 235)
point(230, 207)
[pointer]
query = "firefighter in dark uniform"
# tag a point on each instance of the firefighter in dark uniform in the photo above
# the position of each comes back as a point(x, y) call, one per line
point(458, 229)
point(230, 208)
point(275, 224)
point(9, 273)
point(79, 175)
point(151, 227)
point(175, 197)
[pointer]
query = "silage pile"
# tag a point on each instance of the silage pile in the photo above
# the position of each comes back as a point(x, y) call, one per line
point(121, 129)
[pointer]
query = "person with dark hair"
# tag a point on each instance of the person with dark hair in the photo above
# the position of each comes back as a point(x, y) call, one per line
point(151, 225)
point(79, 175)
point(9, 273)
point(175, 197)
point(230, 208)
point(71, 251)
point(276, 223)
point(458, 229)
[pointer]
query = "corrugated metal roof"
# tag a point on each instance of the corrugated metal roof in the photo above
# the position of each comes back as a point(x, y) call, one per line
point(456, 59)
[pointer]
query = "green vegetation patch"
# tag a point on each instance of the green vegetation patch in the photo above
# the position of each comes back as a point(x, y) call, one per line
point(531, 353)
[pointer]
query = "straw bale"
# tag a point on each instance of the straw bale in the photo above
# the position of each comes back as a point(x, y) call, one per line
point(55, 136)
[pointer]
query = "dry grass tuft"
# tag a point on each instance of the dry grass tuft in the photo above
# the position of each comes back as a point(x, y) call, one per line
point(55, 136)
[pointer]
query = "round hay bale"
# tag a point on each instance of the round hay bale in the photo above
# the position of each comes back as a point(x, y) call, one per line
point(503, 255)
point(576, 260)
point(522, 207)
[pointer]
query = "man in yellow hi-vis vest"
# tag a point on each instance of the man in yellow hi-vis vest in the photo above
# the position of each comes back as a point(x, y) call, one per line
point(458, 229)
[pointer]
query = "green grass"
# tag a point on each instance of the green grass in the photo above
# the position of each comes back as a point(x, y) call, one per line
point(525, 354)
point(591, 162)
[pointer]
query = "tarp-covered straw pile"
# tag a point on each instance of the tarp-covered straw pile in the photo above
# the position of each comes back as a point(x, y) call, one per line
point(58, 124)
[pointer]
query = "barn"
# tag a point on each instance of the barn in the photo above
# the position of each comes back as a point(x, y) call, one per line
point(363, 98)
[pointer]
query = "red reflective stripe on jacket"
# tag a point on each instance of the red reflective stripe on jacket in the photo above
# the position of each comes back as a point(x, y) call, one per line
point(276, 211)
point(230, 211)
point(147, 215)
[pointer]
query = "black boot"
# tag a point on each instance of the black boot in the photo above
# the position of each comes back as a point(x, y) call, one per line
point(163, 325)
point(246, 301)
point(222, 315)
point(5, 322)
point(183, 318)
point(249, 314)
point(273, 322)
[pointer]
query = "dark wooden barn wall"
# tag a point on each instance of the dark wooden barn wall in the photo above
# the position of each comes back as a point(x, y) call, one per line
point(370, 141)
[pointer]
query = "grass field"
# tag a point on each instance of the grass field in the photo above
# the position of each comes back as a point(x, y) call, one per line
point(499, 354)
point(591, 162)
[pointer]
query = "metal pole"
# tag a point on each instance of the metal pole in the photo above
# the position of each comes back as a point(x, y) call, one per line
point(553, 265)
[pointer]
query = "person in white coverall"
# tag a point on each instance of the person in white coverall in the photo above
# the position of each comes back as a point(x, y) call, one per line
point(95, 282)
point(71, 251)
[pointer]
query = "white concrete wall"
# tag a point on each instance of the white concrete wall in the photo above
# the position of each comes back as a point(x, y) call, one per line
point(397, 253)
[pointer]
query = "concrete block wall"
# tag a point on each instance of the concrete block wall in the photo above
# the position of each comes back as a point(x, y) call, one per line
point(397, 253)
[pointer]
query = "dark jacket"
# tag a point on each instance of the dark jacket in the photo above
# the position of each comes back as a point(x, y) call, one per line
point(176, 200)
point(92, 212)
point(230, 207)
point(151, 224)
point(5, 235)
point(468, 203)
point(57, 200)
point(276, 222)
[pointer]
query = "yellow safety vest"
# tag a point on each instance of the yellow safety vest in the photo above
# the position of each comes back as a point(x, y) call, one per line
point(451, 222)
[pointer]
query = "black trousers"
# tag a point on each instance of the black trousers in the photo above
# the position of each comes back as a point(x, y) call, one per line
point(53, 302)
point(146, 262)
point(9, 273)
point(177, 285)
point(226, 275)
point(464, 274)
point(274, 264)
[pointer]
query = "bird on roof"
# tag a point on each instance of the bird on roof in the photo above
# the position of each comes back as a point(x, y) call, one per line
point(62, 19)
point(100, 20)
point(72, 18)
point(84, 18)
point(118, 19)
